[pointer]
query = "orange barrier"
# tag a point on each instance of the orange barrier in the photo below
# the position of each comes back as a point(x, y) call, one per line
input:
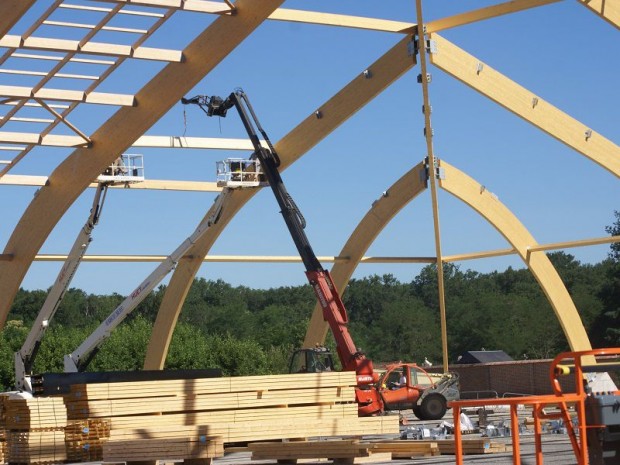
point(538, 403)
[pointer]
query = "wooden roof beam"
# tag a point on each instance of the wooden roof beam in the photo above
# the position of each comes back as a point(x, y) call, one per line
point(101, 98)
point(484, 13)
point(199, 6)
point(49, 140)
point(150, 184)
point(525, 104)
point(94, 48)
point(161, 142)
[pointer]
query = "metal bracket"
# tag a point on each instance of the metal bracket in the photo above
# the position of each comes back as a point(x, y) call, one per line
point(588, 134)
point(429, 78)
point(440, 173)
point(431, 46)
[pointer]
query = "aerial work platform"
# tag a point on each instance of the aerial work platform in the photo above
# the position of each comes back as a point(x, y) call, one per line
point(240, 172)
point(128, 168)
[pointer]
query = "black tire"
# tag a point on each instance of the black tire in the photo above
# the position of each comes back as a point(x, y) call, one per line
point(417, 413)
point(433, 407)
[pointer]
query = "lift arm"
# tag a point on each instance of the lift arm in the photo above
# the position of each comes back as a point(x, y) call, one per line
point(24, 358)
point(79, 359)
point(334, 312)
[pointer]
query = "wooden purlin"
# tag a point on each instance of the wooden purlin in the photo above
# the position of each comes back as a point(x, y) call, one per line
point(484, 13)
point(91, 48)
point(525, 104)
point(117, 134)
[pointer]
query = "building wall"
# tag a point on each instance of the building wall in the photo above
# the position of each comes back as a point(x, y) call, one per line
point(529, 377)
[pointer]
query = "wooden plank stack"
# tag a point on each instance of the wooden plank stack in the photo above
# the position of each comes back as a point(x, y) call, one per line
point(349, 451)
point(408, 449)
point(84, 439)
point(471, 446)
point(3, 456)
point(188, 416)
point(34, 430)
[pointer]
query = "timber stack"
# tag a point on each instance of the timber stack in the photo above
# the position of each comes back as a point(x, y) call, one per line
point(183, 419)
point(34, 430)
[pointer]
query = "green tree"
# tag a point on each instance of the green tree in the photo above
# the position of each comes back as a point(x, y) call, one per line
point(606, 328)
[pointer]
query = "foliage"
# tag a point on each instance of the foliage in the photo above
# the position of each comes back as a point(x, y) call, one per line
point(247, 331)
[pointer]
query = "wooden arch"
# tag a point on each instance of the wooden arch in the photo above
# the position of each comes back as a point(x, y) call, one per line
point(486, 204)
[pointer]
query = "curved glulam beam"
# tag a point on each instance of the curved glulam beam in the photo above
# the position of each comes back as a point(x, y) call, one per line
point(302, 138)
point(523, 103)
point(78, 170)
point(487, 205)
point(380, 214)
point(609, 10)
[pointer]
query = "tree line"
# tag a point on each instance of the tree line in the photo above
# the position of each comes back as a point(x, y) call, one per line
point(248, 331)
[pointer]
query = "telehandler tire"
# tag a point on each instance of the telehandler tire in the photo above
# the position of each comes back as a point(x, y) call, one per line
point(433, 407)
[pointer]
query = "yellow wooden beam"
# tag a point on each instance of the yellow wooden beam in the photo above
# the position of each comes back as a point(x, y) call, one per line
point(484, 13)
point(331, 19)
point(302, 138)
point(609, 10)
point(380, 214)
point(486, 204)
point(199, 6)
point(525, 104)
point(151, 184)
point(20, 92)
point(182, 142)
point(92, 48)
point(113, 138)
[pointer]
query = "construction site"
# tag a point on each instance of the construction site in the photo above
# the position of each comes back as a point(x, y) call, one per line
point(87, 88)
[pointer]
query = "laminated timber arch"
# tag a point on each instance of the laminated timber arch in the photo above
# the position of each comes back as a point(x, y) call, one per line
point(486, 204)
point(117, 134)
point(291, 147)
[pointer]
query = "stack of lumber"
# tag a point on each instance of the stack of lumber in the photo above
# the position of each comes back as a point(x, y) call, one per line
point(408, 449)
point(35, 430)
point(471, 446)
point(3, 457)
point(241, 409)
point(84, 439)
point(34, 413)
point(36, 446)
point(352, 451)
point(163, 444)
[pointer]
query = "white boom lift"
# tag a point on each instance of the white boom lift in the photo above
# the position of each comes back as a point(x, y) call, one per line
point(126, 169)
point(79, 359)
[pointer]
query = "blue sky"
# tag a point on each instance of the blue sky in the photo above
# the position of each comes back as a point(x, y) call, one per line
point(562, 52)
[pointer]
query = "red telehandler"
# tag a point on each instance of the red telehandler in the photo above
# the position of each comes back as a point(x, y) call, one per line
point(375, 394)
